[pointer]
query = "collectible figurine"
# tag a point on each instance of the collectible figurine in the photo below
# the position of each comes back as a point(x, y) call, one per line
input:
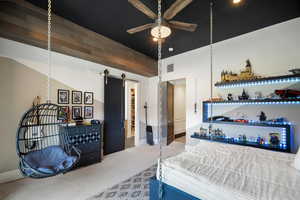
point(230, 97)
point(272, 96)
point(258, 95)
point(274, 138)
point(258, 139)
point(203, 132)
point(244, 138)
point(240, 137)
point(244, 96)
point(262, 117)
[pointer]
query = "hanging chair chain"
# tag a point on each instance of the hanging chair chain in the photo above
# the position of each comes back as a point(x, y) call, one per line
point(211, 66)
point(159, 51)
point(49, 50)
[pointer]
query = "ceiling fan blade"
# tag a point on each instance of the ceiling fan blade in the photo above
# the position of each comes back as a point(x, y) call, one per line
point(144, 9)
point(183, 26)
point(139, 28)
point(176, 8)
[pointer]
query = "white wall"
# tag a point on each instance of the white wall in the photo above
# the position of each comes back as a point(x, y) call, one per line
point(73, 72)
point(179, 108)
point(273, 51)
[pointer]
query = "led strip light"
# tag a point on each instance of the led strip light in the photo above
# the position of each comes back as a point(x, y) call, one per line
point(260, 82)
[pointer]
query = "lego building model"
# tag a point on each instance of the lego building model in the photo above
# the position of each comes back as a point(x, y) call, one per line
point(246, 74)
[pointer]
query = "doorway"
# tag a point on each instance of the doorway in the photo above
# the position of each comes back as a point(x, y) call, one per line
point(177, 107)
point(130, 113)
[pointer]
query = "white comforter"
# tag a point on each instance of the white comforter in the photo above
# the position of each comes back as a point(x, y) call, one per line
point(214, 171)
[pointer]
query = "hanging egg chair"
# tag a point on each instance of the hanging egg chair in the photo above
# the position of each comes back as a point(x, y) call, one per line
point(43, 146)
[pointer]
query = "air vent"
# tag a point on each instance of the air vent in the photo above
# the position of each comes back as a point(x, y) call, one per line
point(170, 68)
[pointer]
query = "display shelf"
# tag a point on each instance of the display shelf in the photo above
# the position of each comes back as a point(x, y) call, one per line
point(261, 81)
point(255, 102)
point(253, 123)
point(286, 129)
point(234, 141)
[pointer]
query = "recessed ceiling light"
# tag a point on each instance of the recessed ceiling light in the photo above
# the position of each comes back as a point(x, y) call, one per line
point(171, 49)
point(237, 1)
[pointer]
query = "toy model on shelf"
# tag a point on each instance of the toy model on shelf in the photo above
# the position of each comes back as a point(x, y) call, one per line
point(247, 74)
point(295, 71)
point(220, 118)
point(262, 116)
point(256, 102)
point(274, 138)
point(272, 142)
point(216, 99)
point(260, 81)
point(244, 96)
point(203, 131)
point(230, 97)
point(285, 94)
point(262, 120)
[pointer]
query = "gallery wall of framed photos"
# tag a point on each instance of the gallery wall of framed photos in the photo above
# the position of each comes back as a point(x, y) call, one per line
point(76, 104)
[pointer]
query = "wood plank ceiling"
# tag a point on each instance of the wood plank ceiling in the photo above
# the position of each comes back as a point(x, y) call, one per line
point(23, 22)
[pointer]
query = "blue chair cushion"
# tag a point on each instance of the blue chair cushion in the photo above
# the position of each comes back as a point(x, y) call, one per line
point(52, 159)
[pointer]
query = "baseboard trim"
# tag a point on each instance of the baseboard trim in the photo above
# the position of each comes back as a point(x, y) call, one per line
point(10, 176)
point(180, 135)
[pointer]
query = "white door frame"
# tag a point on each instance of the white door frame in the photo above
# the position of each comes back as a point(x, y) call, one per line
point(138, 110)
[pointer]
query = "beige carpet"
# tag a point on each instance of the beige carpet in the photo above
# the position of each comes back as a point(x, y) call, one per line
point(181, 139)
point(129, 142)
point(86, 182)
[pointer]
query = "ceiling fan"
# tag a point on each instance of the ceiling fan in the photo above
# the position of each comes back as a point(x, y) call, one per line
point(167, 22)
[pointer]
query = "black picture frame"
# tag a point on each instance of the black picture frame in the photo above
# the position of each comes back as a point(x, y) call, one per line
point(63, 99)
point(88, 112)
point(76, 97)
point(76, 109)
point(63, 113)
point(88, 98)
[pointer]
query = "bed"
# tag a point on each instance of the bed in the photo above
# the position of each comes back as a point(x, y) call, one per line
point(215, 171)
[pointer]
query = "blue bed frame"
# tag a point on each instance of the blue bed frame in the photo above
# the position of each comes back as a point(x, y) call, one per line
point(169, 192)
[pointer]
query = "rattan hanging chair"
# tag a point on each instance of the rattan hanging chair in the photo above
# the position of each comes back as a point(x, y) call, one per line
point(43, 144)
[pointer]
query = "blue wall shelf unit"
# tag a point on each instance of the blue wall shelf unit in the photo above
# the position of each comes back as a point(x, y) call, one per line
point(282, 147)
point(261, 81)
point(285, 127)
point(256, 102)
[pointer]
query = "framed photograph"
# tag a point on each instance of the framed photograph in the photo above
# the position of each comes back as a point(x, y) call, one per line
point(63, 113)
point(88, 112)
point(76, 112)
point(76, 97)
point(63, 96)
point(88, 98)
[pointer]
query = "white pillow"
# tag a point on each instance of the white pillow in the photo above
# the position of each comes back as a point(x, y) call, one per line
point(297, 160)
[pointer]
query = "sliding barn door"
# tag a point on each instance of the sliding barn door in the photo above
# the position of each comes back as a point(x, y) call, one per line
point(114, 110)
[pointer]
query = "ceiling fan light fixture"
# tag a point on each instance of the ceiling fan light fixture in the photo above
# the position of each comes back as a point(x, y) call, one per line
point(165, 31)
point(237, 1)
